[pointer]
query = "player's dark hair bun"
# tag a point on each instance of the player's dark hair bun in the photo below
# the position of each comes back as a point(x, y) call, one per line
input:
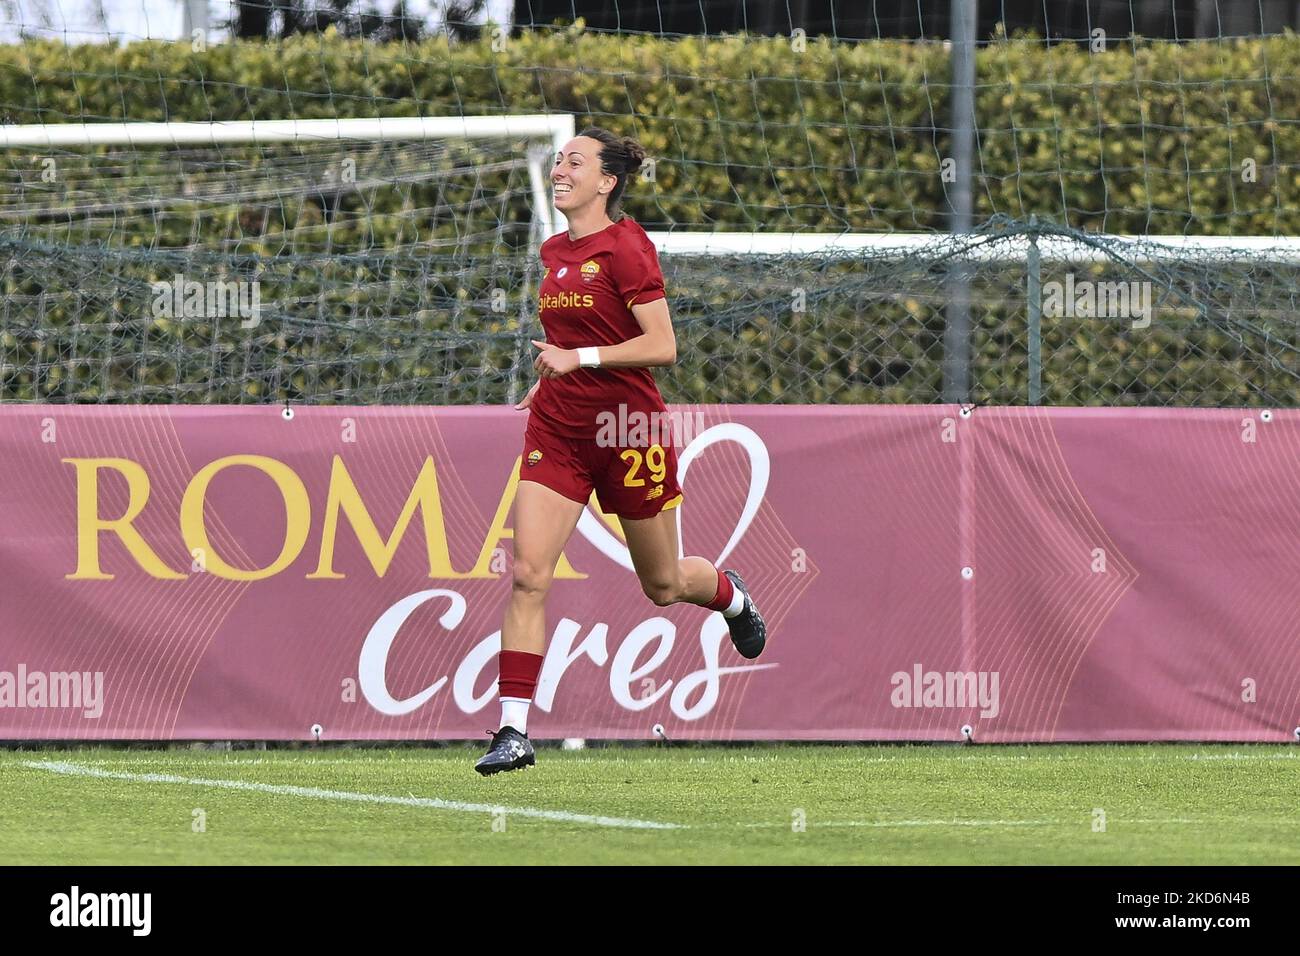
point(635, 153)
point(620, 156)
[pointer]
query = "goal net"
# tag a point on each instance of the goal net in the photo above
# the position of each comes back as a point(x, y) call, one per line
point(798, 191)
point(322, 261)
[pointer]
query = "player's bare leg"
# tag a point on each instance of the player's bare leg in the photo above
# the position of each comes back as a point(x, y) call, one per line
point(544, 520)
point(667, 579)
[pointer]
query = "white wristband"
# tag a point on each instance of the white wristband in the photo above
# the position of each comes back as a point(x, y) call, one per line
point(589, 357)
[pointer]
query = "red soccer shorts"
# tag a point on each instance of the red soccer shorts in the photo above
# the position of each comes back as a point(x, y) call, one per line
point(629, 482)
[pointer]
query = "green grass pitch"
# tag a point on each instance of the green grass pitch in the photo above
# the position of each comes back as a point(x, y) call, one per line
point(775, 804)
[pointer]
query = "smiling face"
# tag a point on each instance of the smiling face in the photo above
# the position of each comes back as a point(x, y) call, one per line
point(576, 179)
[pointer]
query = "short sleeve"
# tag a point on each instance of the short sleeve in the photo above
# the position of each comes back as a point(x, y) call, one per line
point(637, 276)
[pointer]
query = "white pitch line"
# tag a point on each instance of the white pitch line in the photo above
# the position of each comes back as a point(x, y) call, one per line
point(433, 803)
point(963, 823)
point(912, 823)
point(1285, 756)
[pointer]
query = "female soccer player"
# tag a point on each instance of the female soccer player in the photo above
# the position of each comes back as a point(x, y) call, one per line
point(606, 319)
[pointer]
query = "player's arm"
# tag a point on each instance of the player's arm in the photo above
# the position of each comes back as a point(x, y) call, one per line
point(656, 345)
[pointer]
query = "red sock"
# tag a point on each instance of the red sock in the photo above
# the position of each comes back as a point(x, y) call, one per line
point(726, 591)
point(519, 670)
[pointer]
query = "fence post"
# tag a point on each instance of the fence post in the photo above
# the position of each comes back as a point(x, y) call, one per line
point(957, 333)
point(1035, 296)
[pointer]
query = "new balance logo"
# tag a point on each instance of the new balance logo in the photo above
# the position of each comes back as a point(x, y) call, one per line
point(655, 492)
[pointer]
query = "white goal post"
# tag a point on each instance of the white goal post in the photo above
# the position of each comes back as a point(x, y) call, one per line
point(556, 129)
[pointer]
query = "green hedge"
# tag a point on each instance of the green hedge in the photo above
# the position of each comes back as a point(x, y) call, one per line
point(1146, 137)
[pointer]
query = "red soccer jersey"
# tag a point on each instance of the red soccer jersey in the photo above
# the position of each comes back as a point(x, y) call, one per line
point(586, 298)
